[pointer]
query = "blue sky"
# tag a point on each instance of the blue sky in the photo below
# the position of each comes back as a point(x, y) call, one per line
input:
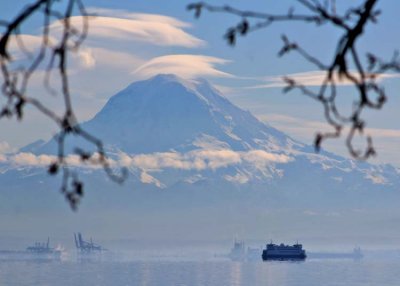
point(132, 40)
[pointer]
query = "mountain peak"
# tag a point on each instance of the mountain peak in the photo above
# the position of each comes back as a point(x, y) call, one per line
point(179, 132)
point(167, 112)
point(165, 77)
point(191, 84)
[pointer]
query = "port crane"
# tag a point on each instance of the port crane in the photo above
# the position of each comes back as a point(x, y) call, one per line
point(86, 246)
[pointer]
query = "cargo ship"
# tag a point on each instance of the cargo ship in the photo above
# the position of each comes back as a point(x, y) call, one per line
point(356, 254)
point(240, 253)
point(38, 251)
point(284, 252)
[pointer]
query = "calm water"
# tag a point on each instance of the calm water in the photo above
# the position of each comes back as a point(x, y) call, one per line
point(217, 272)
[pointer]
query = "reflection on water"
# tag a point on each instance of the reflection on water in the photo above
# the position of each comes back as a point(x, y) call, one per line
point(208, 273)
point(236, 275)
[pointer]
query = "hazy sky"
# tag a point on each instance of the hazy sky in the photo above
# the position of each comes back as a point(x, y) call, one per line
point(132, 40)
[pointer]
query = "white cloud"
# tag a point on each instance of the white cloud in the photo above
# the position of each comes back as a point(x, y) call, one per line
point(205, 141)
point(120, 13)
point(22, 43)
point(226, 90)
point(376, 178)
point(5, 147)
point(310, 213)
point(298, 127)
point(156, 161)
point(218, 158)
point(261, 158)
point(386, 141)
point(148, 179)
point(201, 159)
point(186, 66)
point(29, 159)
point(239, 178)
point(86, 58)
point(32, 160)
point(159, 160)
point(333, 214)
point(148, 28)
point(120, 60)
point(307, 128)
point(326, 214)
point(313, 78)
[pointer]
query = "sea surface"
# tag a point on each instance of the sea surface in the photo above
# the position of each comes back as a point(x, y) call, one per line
point(207, 272)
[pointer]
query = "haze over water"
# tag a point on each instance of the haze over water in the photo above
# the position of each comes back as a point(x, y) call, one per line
point(212, 271)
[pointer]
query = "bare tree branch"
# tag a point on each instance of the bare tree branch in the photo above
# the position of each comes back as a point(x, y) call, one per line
point(353, 23)
point(15, 84)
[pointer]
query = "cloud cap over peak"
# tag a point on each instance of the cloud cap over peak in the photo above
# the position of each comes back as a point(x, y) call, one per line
point(183, 65)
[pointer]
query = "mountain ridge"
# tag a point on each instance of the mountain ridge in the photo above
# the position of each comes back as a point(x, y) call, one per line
point(234, 175)
point(143, 106)
point(173, 132)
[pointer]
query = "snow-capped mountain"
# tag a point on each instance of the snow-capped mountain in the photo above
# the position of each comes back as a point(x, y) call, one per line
point(200, 168)
point(168, 113)
point(184, 134)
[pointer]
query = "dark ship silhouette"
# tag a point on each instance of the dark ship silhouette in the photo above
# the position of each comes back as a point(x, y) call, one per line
point(284, 252)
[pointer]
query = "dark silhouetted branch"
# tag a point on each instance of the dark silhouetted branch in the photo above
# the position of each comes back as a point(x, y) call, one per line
point(16, 81)
point(353, 23)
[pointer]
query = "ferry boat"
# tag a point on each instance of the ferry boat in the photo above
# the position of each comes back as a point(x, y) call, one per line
point(283, 252)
